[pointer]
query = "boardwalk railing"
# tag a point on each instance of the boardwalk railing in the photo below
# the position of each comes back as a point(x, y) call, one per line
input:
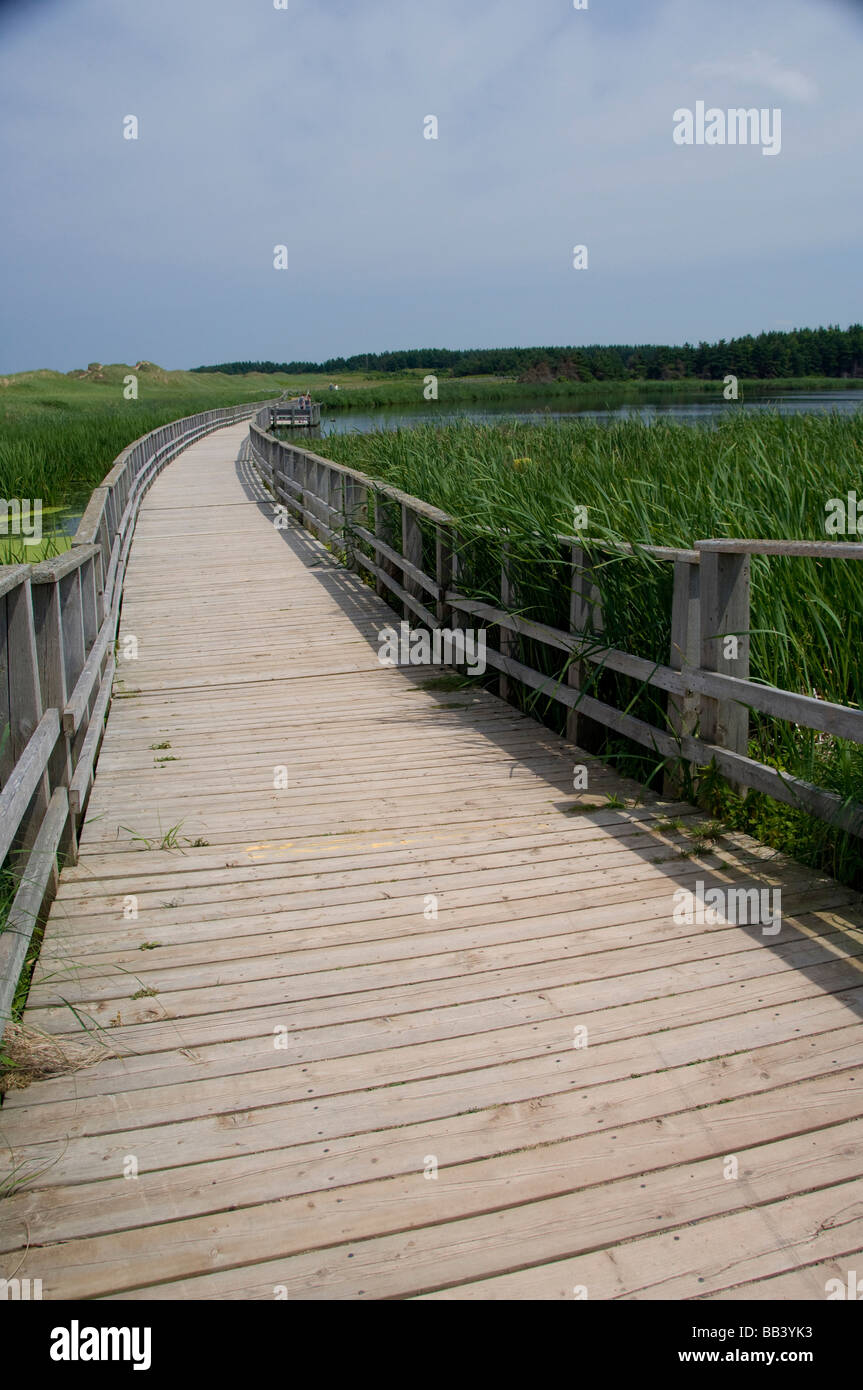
point(292, 413)
point(706, 681)
point(58, 623)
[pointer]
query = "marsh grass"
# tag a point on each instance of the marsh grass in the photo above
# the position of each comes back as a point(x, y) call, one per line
point(662, 483)
point(59, 436)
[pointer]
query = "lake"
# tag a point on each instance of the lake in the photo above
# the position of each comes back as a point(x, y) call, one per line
point(682, 409)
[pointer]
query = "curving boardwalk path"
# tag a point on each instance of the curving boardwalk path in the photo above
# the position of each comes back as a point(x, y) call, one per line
point(338, 1036)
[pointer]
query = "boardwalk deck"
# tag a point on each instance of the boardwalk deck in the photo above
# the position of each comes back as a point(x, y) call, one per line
point(335, 990)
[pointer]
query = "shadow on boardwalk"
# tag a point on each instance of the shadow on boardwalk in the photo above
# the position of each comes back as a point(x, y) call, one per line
point(412, 1020)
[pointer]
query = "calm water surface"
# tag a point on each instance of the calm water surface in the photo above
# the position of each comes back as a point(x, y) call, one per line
point(682, 409)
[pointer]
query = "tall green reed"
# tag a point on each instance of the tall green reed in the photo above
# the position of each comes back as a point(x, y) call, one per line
point(668, 484)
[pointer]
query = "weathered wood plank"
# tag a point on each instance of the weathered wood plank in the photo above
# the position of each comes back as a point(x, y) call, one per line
point(824, 550)
point(11, 576)
point(22, 671)
point(82, 777)
point(40, 871)
point(26, 777)
point(78, 702)
point(419, 579)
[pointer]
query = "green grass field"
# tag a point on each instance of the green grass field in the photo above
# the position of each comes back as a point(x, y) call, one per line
point(59, 435)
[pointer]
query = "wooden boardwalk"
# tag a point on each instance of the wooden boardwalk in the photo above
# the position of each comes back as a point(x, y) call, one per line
point(340, 1032)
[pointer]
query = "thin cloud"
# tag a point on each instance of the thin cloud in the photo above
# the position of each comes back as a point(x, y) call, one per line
point(758, 69)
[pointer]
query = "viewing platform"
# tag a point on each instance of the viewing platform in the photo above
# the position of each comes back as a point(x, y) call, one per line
point(292, 413)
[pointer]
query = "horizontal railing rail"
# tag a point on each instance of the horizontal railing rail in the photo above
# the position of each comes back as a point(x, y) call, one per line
point(292, 412)
point(58, 626)
point(706, 679)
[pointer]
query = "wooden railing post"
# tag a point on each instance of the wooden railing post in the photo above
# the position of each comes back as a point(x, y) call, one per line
point(321, 489)
point(585, 618)
point(445, 569)
point(507, 639)
point(292, 470)
point(20, 697)
point(98, 588)
point(307, 482)
point(281, 466)
point(299, 466)
point(275, 459)
point(72, 610)
point(309, 491)
point(335, 497)
point(383, 532)
point(48, 608)
point(104, 543)
point(683, 710)
point(412, 550)
point(724, 623)
point(355, 505)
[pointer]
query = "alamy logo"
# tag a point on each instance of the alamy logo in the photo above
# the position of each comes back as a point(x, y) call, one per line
point(77, 1343)
point(442, 647)
point(737, 126)
point(843, 518)
point(742, 907)
point(21, 516)
point(20, 1290)
point(851, 1289)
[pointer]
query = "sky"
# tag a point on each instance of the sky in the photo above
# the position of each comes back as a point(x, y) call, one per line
point(304, 127)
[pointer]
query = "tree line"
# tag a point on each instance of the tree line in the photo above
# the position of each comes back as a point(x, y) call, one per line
point(800, 352)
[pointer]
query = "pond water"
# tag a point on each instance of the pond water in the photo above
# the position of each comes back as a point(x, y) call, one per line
point(664, 406)
point(58, 526)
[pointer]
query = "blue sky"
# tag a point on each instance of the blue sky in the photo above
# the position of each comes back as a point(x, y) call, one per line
point(304, 126)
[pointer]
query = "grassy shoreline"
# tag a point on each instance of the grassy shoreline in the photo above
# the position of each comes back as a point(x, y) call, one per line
point(59, 434)
point(467, 390)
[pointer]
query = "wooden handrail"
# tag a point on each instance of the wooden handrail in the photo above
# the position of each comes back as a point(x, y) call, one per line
point(59, 622)
point(706, 680)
